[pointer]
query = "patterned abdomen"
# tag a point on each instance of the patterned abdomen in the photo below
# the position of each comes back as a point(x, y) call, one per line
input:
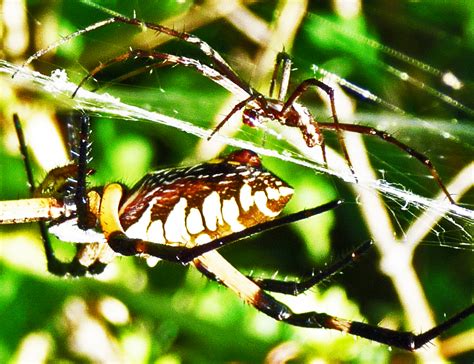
point(198, 204)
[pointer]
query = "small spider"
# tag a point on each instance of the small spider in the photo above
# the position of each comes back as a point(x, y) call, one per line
point(184, 215)
point(255, 107)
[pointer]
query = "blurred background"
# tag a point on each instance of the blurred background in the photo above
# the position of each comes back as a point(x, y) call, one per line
point(413, 59)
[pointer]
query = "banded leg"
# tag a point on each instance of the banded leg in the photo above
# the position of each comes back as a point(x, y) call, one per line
point(54, 265)
point(256, 295)
point(284, 60)
point(79, 142)
point(400, 339)
point(295, 288)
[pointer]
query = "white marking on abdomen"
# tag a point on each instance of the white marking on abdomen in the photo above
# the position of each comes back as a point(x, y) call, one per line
point(138, 230)
point(211, 209)
point(272, 193)
point(175, 227)
point(245, 197)
point(155, 232)
point(286, 191)
point(194, 221)
point(231, 213)
point(261, 202)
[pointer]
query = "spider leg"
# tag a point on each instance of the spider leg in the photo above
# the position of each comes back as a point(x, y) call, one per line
point(215, 267)
point(235, 109)
point(300, 90)
point(81, 157)
point(400, 339)
point(24, 152)
point(167, 58)
point(282, 58)
point(367, 130)
point(100, 67)
point(295, 288)
point(203, 69)
point(55, 266)
point(217, 60)
point(133, 73)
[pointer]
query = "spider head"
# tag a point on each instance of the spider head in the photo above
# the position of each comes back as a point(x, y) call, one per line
point(252, 116)
point(261, 110)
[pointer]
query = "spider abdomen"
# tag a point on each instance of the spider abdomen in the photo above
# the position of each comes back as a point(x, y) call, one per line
point(197, 204)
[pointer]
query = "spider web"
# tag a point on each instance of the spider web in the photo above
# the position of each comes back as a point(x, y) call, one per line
point(105, 105)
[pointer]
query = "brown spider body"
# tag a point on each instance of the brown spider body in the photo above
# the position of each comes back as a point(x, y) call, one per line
point(256, 107)
point(262, 110)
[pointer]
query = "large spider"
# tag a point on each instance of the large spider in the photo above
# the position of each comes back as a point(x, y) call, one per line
point(183, 215)
point(256, 108)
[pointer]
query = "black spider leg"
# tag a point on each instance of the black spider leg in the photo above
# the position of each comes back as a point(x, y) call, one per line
point(295, 288)
point(79, 133)
point(79, 143)
point(124, 245)
point(319, 320)
point(54, 265)
point(282, 60)
point(279, 311)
